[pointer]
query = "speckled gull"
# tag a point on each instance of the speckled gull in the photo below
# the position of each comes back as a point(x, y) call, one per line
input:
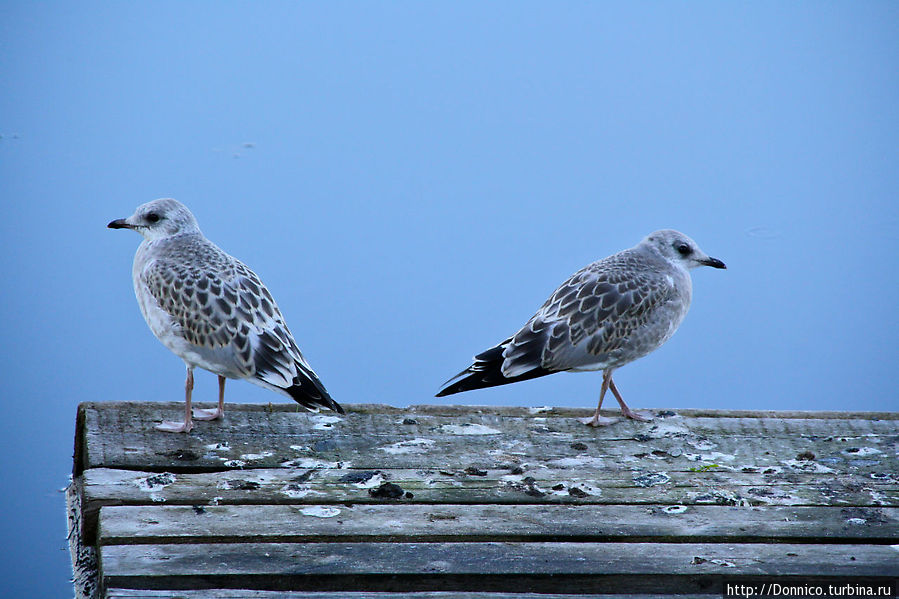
point(212, 311)
point(605, 315)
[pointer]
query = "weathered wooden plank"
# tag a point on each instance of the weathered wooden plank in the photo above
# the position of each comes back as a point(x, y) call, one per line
point(514, 411)
point(509, 567)
point(249, 594)
point(606, 486)
point(445, 523)
point(122, 436)
point(310, 485)
point(646, 483)
point(83, 555)
point(108, 487)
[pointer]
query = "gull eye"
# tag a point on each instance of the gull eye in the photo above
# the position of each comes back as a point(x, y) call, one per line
point(683, 249)
point(152, 217)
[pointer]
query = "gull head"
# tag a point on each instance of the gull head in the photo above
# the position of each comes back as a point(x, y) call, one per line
point(679, 249)
point(159, 219)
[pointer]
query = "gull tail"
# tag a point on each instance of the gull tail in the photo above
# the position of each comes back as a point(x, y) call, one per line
point(486, 371)
point(309, 392)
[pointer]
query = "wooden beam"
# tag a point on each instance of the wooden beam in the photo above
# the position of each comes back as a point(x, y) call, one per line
point(507, 567)
point(145, 525)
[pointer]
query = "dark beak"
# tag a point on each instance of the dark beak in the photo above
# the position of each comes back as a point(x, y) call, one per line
point(713, 262)
point(119, 223)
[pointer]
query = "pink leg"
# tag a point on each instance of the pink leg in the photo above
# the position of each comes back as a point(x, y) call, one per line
point(217, 413)
point(624, 409)
point(598, 420)
point(169, 426)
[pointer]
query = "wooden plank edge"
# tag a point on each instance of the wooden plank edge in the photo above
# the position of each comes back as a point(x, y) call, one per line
point(158, 524)
point(490, 567)
point(518, 411)
point(85, 574)
point(250, 594)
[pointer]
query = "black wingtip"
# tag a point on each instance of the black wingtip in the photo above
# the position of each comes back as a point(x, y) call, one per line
point(310, 393)
point(453, 384)
point(446, 391)
point(486, 372)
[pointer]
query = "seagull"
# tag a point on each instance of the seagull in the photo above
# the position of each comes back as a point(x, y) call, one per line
point(604, 316)
point(212, 311)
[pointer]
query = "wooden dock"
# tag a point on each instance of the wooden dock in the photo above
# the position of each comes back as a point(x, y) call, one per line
point(460, 502)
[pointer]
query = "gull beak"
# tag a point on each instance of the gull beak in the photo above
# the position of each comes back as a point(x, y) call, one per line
point(713, 262)
point(119, 223)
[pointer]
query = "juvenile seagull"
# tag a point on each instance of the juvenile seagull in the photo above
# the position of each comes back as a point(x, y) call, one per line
point(212, 311)
point(605, 315)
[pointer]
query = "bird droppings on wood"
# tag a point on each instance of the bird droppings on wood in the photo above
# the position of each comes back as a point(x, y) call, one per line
point(808, 466)
point(718, 562)
point(702, 444)
point(862, 451)
point(156, 481)
point(310, 463)
point(530, 488)
point(298, 491)
point(323, 422)
point(467, 428)
point(375, 481)
point(255, 457)
point(417, 445)
point(651, 479)
point(873, 515)
point(320, 511)
point(721, 498)
point(359, 477)
point(674, 509)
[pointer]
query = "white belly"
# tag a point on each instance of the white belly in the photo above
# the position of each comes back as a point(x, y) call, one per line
point(168, 331)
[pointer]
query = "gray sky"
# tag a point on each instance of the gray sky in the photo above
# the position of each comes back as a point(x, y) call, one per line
point(412, 180)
